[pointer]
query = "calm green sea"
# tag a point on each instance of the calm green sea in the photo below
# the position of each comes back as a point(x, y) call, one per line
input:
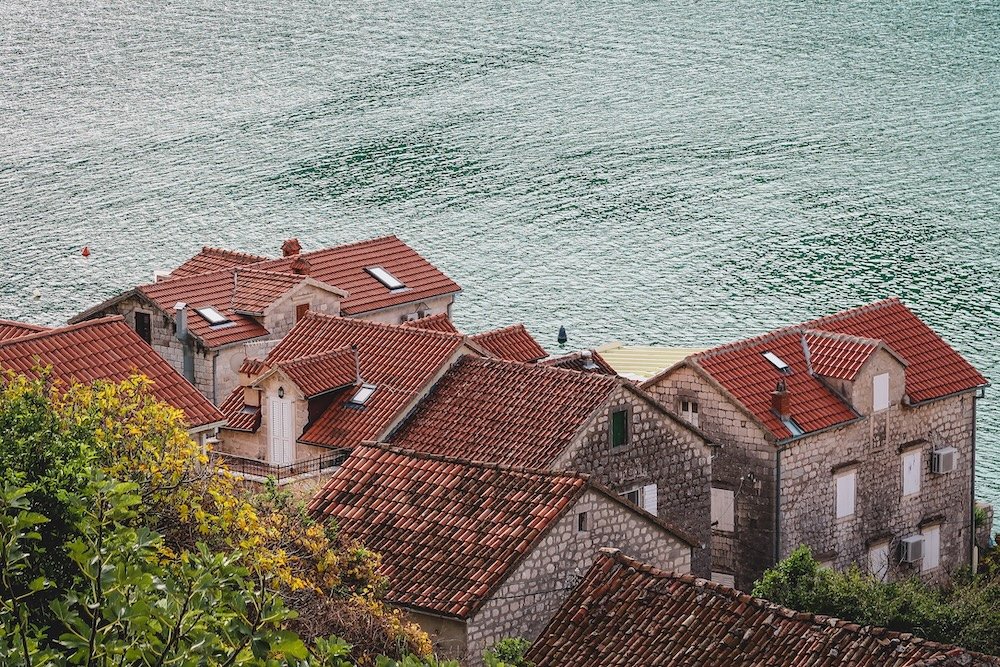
point(681, 173)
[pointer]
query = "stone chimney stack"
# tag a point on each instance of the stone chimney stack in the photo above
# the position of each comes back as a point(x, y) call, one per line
point(291, 247)
point(182, 334)
point(780, 401)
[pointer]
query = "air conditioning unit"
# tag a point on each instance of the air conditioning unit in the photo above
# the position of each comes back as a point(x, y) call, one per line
point(943, 460)
point(911, 549)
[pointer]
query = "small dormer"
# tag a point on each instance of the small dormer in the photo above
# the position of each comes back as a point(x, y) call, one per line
point(866, 372)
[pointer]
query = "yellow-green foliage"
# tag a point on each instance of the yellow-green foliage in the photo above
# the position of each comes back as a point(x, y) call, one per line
point(333, 583)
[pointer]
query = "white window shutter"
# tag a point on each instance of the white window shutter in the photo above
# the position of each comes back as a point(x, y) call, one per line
point(911, 473)
point(649, 498)
point(878, 561)
point(846, 493)
point(932, 548)
point(723, 509)
point(880, 392)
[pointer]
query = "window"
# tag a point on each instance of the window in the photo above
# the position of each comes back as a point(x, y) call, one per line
point(144, 326)
point(911, 473)
point(301, 310)
point(778, 363)
point(689, 411)
point(644, 497)
point(212, 316)
point(619, 428)
point(880, 392)
point(384, 277)
point(932, 548)
point(582, 522)
point(846, 483)
point(878, 560)
point(723, 510)
point(362, 395)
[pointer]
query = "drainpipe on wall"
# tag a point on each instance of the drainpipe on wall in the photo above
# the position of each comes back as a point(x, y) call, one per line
point(777, 505)
point(974, 550)
point(215, 384)
point(180, 318)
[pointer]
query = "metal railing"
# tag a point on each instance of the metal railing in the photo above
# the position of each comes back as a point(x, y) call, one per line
point(260, 471)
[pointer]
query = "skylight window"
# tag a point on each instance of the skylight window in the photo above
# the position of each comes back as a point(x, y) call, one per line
point(362, 395)
point(212, 316)
point(792, 426)
point(778, 363)
point(386, 278)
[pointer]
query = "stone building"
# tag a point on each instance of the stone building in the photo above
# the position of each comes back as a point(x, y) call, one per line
point(477, 552)
point(104, 349)
point(200, 316)
point(853, 434)
point(544, 417)
point(627, 612)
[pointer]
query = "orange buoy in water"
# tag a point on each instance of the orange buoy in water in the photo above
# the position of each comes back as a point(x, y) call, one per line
point(86, 251)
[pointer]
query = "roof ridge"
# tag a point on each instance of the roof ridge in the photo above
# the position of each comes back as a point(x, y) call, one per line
point(64, 329)
point(388, 327)
point(248, 268)
point(851, 312)
point(235, 253)
point(488, 465)
point(765, 604)
point(744, 343)
point(491, 332)
point(543, 369)
point(848, 338)
point(24, 325)
point(312, 357)
point(342, 246)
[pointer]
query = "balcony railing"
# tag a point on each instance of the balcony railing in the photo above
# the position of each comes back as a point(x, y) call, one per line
point(260, 471)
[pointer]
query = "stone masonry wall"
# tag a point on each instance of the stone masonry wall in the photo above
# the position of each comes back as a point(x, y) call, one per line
point(395, 314)
point(525, 602)
point(743, 463)
point(659, 451)
point(808, 492)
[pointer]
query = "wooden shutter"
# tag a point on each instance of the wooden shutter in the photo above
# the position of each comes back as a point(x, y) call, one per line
point(649, 498)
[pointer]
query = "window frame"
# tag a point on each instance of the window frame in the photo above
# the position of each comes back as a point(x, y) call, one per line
point(918, 472)
point(148, 318)
point(627, 427)
point(880, 389)
point(691, 413)
point(838, 477)
point(722, 496)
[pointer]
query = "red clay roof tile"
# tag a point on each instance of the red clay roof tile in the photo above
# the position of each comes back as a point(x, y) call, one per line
point(10, 329)
point(319, 373)
point(512, 343)
point(449, 531)
point(213, 259)
point(933, 369)
point(577, 361)
point(106, 349)
point(625, 613)
point(502, 411)
point(239, 416)
point(440, 322)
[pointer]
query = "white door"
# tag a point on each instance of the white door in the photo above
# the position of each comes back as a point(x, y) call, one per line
point(281, 427)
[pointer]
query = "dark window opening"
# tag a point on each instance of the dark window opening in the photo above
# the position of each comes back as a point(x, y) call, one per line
point(582, 522)
point(144, 327)
point(301, 310)
point(619, 428)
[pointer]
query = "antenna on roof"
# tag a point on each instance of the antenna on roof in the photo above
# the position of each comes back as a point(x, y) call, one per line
point(562, 338)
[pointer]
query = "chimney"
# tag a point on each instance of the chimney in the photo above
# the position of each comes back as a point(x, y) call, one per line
point(291, 247)
point(780, 402)
point(181, 320)
point(301, 266)
point(588, 360)
point(357, 366)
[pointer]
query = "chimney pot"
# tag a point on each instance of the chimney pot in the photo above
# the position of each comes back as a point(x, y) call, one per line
point(301, 266)
point(780, 401)
point(291, 247)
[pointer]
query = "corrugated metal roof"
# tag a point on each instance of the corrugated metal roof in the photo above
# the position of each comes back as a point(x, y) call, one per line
point(643, 361)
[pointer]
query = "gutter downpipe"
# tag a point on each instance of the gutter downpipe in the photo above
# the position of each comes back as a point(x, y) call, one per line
point(777, 505)
point(215, 382)
point(973, 550)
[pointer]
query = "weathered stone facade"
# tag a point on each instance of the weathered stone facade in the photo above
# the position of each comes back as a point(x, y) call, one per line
point(659, 451)
point(404, 311)
point(523, 604)
point(749, 464)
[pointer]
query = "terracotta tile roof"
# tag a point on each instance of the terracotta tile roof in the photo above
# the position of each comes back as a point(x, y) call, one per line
point(254, 290)
point(106, 349)
point(439, 322)
point(251, 366)
point(319, 373)
point(399, 361)
point(449, 531)
point(625, 613)
point(11, 329)
point(239, 416)
point(213, 259)
point(344, 267)
point(512, 343)
point(577, 361)
point(934, 370)
point(506, 412)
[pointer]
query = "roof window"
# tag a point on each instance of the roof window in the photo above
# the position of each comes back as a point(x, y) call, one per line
point(386, 278)
point(792, 426)
point(362, 395)
point(778, 363)
point(212, 316)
